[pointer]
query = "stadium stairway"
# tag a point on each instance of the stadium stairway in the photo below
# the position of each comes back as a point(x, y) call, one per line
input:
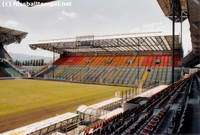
point(144, 78)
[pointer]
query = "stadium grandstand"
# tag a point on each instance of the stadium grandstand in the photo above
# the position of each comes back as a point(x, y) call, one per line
point(7, 37)
point(162, 86)
point(161, 113)
point(126, 59)
point(174, 110)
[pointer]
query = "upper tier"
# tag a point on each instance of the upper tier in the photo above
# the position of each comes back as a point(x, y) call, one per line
point(161, 61)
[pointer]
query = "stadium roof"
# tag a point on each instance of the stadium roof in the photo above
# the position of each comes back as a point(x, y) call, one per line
point(110, 43)
point(193, 58)
point(167, 8)
point(190, 10)
point(9, 36)
point(194, 19)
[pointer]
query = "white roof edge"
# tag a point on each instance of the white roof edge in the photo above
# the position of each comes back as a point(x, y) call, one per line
point(41, 124)
point(106, 102)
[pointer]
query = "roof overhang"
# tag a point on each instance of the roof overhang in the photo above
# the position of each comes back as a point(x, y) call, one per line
point(191, 60)
point(194, 19)
point(190, 9)
point(9, 36)
point(110, 43)
point(181, 10)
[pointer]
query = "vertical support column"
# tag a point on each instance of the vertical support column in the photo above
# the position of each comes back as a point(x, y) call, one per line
point(173, 41)
point(181, 38)
point(53, 63)
point(181, 29)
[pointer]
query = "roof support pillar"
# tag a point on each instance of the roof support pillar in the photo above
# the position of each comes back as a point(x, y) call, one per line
point(174, 4)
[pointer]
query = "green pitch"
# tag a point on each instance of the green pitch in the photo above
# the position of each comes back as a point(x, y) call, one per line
point(26, 101)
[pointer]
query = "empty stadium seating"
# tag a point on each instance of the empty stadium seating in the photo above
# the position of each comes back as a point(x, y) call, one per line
point(144, 71)
point(164, 61)
point(162, 113)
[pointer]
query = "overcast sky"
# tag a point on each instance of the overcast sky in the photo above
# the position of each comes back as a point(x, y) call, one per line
point(85, 17)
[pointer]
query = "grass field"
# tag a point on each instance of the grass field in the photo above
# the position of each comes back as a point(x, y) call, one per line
point(25, 101)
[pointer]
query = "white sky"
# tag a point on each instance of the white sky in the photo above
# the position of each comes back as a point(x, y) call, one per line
point(86, 17)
